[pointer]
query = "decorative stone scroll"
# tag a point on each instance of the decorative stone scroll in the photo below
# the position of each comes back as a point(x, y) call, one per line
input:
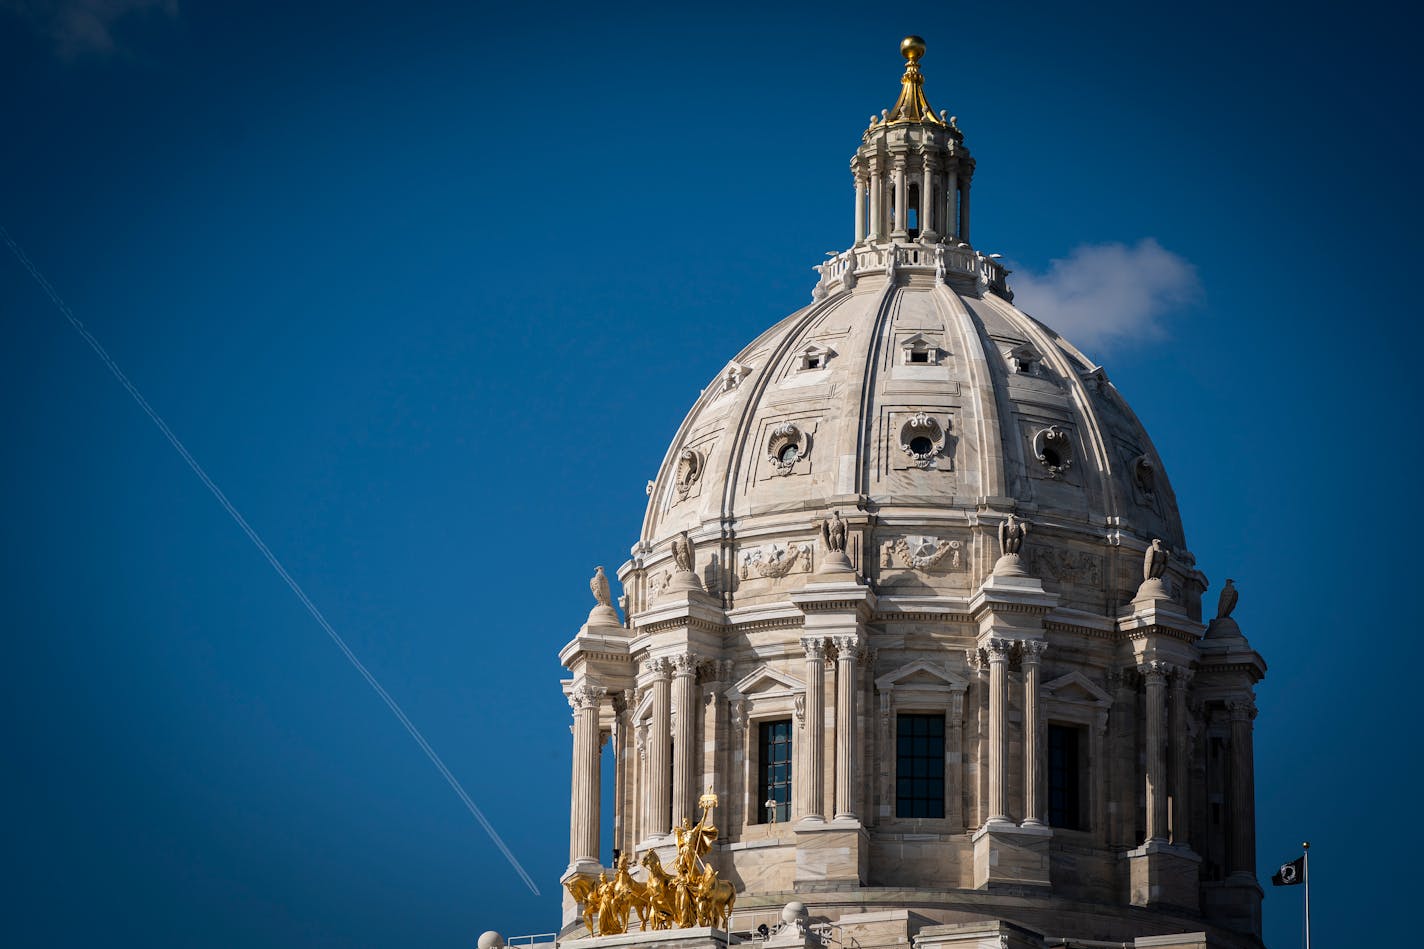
point(775, 560)
point(787, 445)
point(1054, 451)
point(922, 438)
point(690, 464)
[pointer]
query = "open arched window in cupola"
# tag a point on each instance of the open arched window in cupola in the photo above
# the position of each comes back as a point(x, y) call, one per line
point(912, 211)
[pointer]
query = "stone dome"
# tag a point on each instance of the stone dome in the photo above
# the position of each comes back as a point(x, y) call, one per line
point(913, 390)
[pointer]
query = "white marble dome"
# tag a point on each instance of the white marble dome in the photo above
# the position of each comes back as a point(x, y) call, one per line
point(928, 402)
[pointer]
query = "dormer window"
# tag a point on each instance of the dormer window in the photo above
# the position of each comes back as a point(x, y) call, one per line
point(918, 350)
point(815, 357)
point(1025, 359)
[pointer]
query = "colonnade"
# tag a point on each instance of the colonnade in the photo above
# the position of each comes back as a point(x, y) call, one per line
point(882, 198)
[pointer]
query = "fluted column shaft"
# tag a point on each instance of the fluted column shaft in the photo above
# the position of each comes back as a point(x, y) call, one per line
point(926, 198)
point(859, 209)
point(964, 211)
point(1243, 788)
point(1181, 761)
point(659, 743)
point(814, 780)
point(684, 744)
point(998, 728)
point(1033, 750)
point(954, 761)
point(951, 192)
point(848, 651)
point(584, 810)
point(877, 203)
point(1155, 675)
point(901, 201)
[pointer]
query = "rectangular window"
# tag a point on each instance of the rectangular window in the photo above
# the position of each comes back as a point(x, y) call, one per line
point(1065, 777)
point(919, 766)
point(774, 772)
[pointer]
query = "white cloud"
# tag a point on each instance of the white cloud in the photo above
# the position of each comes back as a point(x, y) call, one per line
point(83, 27)
point(1106, 294)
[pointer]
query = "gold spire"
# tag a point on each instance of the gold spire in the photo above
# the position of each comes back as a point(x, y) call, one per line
point(912, 105)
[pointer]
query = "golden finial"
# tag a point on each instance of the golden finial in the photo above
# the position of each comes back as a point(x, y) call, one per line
point(912, 48)
point(912, 105)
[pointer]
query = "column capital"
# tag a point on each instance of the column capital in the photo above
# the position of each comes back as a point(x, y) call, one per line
point(684, 663)
point(1242, 709)
point(815, 646)
point(586, 695)
point(1033, 650)
point(850, 647)
point(660, 667)
point(1155, 671)
point(1000, 650)
point(1182, 677)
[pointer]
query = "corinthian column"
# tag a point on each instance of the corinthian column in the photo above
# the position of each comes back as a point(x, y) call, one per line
point(1033, 751)
point(902, 201)
point(660, 788)
point(848, 652)
point(1243, 788)
point(999, 650)
point(583, 801)
point(859, 208)
point(926, 198)
point(684, 744)
point(1154, 673)
point(814, 782)
point(1181, 760)
point(877, 201)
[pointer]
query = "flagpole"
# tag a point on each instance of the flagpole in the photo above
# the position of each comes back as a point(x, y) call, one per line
point(1305, 872)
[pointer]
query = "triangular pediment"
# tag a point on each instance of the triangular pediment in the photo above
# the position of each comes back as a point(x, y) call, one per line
point(920, 674)
point(1076, 687)
point(765, 680)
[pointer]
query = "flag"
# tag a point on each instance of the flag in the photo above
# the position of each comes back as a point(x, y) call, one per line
point(1290, 874)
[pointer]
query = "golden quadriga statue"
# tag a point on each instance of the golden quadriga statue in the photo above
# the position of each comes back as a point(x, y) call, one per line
point(690, 895)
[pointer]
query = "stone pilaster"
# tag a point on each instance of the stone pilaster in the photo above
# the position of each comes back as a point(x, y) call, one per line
point(1181, 759)
point(877, 200)
point(659, 744)
point(849, 650)
point(954, 761)
point(1034, 811)
point(1154, 675)
point(951, 204)
point(1243, 788)
point(685, 746)
point(622, 770)
point(813, 801)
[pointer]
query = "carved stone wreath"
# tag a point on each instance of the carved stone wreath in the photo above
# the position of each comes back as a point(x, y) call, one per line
point(775, 560)
point(689, 468)
point(788, 445)
point(920, 552)
point(922, 438)
point(1054, 450)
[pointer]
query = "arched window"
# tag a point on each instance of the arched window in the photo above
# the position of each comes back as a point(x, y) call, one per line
point(912, 211)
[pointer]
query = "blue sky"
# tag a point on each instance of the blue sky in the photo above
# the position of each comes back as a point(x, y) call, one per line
point(427, 289)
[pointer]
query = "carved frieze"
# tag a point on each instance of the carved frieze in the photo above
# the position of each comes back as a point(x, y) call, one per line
point(775, 560)
point(923, 553)
point(1068, 566)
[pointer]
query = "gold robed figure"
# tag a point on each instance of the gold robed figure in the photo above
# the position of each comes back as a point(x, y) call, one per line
point(689, 895)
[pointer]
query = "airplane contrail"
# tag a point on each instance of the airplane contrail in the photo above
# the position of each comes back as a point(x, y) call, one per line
point(266, 552)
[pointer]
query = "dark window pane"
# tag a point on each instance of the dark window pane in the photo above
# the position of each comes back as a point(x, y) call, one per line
point(774, 773)
point(919, 766)
point(1065, 777)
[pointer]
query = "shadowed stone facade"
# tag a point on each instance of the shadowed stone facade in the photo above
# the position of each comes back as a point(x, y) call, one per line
point(906, 506)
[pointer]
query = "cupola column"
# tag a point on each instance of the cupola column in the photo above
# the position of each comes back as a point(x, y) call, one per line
point(951, 192)
point(1181, 760)
point(1243, 788)
point(849, 650)
point(813, 798)
point(859, 208)
point(584, 816)
point(964, 210)
point(684, 746)
point(1154, 673)
point(660, 788)
point(926, 198)
point(1033, 650)
point(877, 200)
point(899, 232)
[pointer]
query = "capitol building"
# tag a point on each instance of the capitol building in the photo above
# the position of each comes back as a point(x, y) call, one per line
point(911, 649)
